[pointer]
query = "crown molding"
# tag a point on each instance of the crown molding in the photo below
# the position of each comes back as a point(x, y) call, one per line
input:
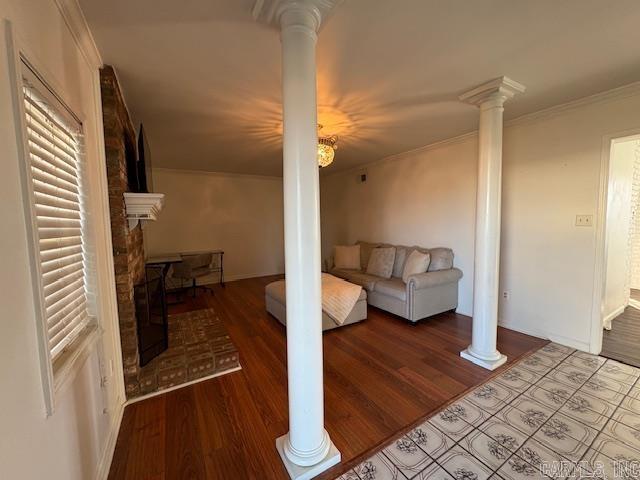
point(624, 91)
point(77, 24)
point(188, 171)
point(501, 89)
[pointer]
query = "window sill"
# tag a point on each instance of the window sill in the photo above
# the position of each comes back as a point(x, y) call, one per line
point(70, 363)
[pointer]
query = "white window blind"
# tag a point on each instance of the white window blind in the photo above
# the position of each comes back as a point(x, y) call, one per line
point(55, 156)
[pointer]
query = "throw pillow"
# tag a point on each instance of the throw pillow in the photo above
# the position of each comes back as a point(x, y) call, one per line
point(416, 263)
point(365, 252)
point(381, 261)
point(398, 263)
point(347, 256)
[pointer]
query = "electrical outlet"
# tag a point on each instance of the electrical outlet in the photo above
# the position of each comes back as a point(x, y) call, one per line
point(505, 295)
point(584, 220)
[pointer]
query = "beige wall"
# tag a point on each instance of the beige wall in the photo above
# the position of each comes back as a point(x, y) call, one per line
point(240, 214)
point(422, 198)
point(76, 440)
point(552, 167)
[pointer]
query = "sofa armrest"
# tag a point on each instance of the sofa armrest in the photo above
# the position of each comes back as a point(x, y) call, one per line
point(432, 279)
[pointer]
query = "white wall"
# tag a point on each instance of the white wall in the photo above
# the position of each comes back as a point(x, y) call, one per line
point(422, 198)
point(618, 229)
point(552, 164)
point(74, 443)
point(240, 214)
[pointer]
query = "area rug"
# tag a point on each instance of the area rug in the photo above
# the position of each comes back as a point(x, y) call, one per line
point(557, 413)
point(199, 347)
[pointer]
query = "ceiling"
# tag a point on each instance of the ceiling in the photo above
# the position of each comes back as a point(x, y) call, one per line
point(204, 77)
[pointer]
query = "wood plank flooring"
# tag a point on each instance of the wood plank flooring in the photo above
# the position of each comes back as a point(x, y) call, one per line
point(381, 377)
point(622, 342)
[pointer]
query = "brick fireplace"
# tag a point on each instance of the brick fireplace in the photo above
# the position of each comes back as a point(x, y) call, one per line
point(128, 246)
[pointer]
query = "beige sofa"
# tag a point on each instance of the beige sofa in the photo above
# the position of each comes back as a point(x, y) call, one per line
point(424, 294)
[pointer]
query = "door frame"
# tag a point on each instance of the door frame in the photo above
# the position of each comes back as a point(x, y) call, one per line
point(600, 267)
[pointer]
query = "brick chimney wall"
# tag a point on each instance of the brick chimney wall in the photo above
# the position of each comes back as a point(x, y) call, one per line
point(128, 246)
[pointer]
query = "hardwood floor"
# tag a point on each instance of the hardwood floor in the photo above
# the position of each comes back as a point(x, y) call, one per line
point(622, 342)
point(381, 377)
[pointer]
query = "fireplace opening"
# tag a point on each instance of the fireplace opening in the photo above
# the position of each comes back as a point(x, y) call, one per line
point(151, 315)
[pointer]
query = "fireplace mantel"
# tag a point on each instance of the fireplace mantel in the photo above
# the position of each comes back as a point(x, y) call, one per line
point(142, 207)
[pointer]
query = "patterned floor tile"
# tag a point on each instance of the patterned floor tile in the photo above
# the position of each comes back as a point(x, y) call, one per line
point(350, 475)
point(589, 364)
point(615, 449)
point(577, 376)
point(631, 404)
point(451, 424)
point(553, 398)
point(538, 455)
point(433, 472)
point(596, 390)
point(378, 467)
point(518, 379)
point(530, 415)
point(553, 385)
point(635, 391)
point(594, 359)
point(469, 412)
point(604, 467)
point(501, 431)
point(556, 351)
point(561, 442)
point(518, 469)
point(619, 372)
point(463, 466)
point(493, 452)
point(537, 364)
point(576, 379)
point(605, 382)
point(621, 432)
point(627, 417)
point(573, 428)
point(407, 457)
point(430, 439)
point(489, 397)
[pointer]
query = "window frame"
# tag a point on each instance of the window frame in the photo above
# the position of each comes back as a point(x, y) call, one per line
point(54, 374)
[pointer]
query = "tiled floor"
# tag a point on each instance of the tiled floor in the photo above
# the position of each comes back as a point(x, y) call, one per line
point(558, 413)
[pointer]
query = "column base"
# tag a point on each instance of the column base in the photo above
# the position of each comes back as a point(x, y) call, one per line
point(488, 364)
point(296, 472)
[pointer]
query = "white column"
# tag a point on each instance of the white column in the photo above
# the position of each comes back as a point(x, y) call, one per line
point(306, 450)
point(490, 97)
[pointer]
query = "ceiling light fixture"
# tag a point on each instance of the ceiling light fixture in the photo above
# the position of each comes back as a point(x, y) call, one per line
point(326, 148)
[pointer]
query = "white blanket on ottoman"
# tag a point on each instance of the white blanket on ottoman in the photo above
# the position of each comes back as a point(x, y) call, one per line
point(338, 297)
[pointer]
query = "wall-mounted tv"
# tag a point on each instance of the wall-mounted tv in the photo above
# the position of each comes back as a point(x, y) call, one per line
point(145, 177)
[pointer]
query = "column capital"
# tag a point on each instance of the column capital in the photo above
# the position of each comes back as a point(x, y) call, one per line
point(493, 93)
point(284, 13)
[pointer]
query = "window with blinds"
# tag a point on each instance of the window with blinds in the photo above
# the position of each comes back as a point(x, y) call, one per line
point(55, 161)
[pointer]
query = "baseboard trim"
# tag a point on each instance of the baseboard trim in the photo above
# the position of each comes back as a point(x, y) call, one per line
point(606, 321)
point(214, 279)
point(562, 340)
point(131, 401)
point(110, 447)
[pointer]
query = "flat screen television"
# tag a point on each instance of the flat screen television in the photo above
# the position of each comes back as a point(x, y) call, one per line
point(145, 178)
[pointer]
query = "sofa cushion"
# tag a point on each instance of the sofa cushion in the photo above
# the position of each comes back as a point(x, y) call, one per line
point(393, 287)
point(441, 259)
point(365, 252)
point(398, 262)
point(381, 262)
point(366, 281)
point(417, 262)
point(342, 272)
point(347, 256)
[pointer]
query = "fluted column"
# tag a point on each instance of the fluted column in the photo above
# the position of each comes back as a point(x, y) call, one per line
point(490, 98)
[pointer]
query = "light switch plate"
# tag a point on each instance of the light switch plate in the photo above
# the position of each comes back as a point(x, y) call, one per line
point(584, 220)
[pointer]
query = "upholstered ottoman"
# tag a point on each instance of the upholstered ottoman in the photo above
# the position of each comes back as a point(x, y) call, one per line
point(275, 301)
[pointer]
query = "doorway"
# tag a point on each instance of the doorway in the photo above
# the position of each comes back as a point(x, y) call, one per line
point(621, 291)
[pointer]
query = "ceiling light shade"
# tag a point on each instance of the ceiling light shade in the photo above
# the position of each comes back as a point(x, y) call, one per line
point(326, 149)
